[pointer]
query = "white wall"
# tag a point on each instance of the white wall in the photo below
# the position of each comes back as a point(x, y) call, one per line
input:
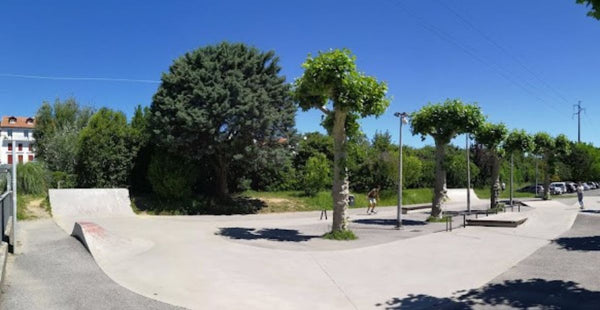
point(24, 137)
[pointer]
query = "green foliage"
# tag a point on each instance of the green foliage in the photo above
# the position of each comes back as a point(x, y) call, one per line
point(31, 179)
point(218, 104)
point(59, 179)
point(518, 141)
point(444, 121)
point(491, 136)
point(316, 174)
point(412, 171)
point(171, 177)
point(333, 76)
point(456, 167)
point(56, 133)
point(140, 125)
point(594, 6)
point(107, 147)
point(344, 235)
point(584, 162)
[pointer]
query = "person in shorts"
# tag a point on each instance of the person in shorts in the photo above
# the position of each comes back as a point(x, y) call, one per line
point(373, 196)
point(580, 195)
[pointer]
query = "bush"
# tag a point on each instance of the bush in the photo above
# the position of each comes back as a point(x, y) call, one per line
point(31, 178)
point(316, 174)
point(59, 179)
point(340, 235)
point(171, 177)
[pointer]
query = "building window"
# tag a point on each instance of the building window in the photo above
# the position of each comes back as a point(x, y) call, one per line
point(26, 133)
point(10, 132)
point(9, 159)
point(12, 120)
point(30, 158)
point(20, 159)
point(30, 147)
point(10, 146)
point(20, 147)
point(29, 121)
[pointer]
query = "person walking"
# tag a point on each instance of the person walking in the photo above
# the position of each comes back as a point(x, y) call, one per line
point(580, 195)
point(373, 196)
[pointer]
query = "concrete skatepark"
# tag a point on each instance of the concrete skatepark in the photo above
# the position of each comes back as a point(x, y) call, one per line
point(278, 261)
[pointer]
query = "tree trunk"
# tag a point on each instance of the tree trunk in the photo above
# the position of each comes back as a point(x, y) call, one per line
point(221, 171)
point(547, 172)
point(439, 189)
point(495, 177)
point(339, 191)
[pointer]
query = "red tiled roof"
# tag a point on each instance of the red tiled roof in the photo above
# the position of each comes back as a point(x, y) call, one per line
point(17, 122)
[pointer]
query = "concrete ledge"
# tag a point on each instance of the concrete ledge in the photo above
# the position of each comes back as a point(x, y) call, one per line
point(3, 259)
point(406, 209)
point(491, 222)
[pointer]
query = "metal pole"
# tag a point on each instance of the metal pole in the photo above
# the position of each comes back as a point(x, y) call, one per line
point(14, 190)
point(468, 176)
point(536, 176)
point(401, 117)
point(511, 178)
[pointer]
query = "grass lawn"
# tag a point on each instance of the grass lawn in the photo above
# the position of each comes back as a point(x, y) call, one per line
point(289, 201)
point(485, 193)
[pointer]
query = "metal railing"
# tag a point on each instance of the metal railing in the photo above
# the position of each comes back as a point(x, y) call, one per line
point(6, 214)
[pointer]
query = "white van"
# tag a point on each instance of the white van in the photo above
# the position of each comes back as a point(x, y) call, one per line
point(558, 187)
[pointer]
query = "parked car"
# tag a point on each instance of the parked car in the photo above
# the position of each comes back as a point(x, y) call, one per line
point(555, 189)
point(585, 187)
point(571, 187)
point(559, 187)
point(592, 185)
point(531, 189)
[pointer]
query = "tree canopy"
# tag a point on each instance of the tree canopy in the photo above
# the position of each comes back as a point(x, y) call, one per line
point(446, 120)
point(332, 77)
point(218, 104)
point(594, 6)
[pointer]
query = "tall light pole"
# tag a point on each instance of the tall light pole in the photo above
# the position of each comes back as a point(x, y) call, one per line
point(14, 192)
point(403, 120)
point(468, 175)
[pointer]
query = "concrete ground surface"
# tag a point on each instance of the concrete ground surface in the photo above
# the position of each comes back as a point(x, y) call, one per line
point(564, 274)
point(51, 270)
point(255, 262)
point(275, 261)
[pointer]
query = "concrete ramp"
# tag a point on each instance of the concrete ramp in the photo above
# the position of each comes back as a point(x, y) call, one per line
point(83, 204)
point(107, 247)
point(459, 195)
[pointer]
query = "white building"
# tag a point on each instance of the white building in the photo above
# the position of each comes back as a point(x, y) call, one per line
point(21, 130)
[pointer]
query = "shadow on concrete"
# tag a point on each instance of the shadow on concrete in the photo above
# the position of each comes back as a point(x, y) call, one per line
point(518, 294)
point(591, 211)
point(273, 234)
point(591, 243)
point(388, 222)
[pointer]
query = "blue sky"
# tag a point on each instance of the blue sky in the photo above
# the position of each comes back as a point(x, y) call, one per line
point(525, 62)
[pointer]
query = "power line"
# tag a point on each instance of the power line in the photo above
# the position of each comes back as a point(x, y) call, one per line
point(465, 48)
point(501, 48)
point(64, 78)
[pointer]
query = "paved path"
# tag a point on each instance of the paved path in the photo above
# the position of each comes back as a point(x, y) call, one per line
point(194, 264)
point(564, 274)
point(53, 271)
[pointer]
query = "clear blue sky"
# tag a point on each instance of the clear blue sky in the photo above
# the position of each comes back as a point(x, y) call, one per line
point(525, 62)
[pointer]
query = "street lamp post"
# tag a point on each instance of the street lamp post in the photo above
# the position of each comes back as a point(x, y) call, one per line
point(403, 121)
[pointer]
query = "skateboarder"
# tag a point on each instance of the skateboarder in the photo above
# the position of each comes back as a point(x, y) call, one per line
point(373, 196)
point(580, 195)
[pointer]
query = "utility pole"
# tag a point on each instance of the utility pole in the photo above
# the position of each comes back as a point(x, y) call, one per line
point(578, 110)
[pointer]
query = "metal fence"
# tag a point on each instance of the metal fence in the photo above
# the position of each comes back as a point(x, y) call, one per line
point(6, 213)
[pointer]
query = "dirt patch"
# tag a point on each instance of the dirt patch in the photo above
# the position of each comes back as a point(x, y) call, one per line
point(36, 209)
point(281, 205)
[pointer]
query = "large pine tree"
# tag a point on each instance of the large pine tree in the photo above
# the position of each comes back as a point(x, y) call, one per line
point(218, 105)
